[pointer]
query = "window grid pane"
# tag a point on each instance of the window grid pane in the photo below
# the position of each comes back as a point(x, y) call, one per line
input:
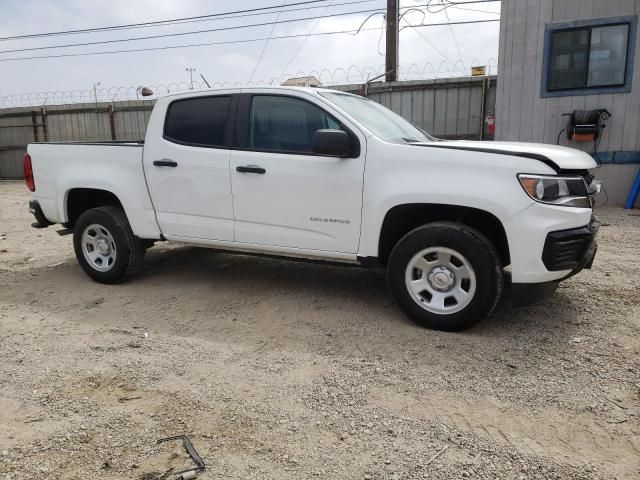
point(568, 68)
point(608, 55)
point(588, 57)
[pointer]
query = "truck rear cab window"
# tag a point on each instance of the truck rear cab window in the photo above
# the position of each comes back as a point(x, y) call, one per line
point(199, 121)
point(285, 124)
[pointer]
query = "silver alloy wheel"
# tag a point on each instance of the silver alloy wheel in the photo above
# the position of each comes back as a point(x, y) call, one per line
point(440, 280)
point(98, 247)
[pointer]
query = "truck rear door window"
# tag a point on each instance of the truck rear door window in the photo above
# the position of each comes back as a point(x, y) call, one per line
point(199, 121)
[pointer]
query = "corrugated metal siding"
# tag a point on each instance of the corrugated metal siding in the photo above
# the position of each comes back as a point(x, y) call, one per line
point(448, 108)
point(523, 115)
point(77, 122)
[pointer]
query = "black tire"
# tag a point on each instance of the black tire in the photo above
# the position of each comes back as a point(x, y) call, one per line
point(474, 247)
point(129, 249)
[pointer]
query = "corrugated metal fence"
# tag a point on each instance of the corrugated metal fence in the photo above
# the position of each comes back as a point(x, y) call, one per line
point(451, 108)
point(86, 122)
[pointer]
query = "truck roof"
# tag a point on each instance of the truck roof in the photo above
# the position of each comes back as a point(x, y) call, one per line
point(244, 89)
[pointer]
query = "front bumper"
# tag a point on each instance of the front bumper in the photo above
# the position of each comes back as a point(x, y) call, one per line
point(527, 235)
point(573, 249)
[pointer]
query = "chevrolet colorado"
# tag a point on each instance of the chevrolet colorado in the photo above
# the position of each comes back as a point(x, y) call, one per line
point(324, 175)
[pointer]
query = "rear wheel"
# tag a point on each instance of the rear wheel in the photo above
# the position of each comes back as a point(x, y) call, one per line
point(105, 245)
point(445, 276)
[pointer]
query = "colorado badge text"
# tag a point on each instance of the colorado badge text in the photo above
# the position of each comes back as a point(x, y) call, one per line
point(329, 220)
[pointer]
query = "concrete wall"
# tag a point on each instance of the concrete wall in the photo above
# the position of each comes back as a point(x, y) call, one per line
point(522, 114)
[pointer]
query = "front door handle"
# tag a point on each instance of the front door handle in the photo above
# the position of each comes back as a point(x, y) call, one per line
point(165, 163)
point(251, 169)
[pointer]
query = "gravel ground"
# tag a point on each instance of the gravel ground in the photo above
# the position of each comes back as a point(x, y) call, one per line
point(286, 370)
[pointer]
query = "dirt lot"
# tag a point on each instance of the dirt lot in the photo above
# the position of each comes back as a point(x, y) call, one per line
point(284, 370)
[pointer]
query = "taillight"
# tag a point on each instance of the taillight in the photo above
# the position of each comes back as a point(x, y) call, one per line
point(28, 172)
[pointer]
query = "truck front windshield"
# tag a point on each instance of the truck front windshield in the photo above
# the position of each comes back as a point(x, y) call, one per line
point(379, 120)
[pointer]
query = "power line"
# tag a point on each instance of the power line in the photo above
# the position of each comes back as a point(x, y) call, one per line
point(172, 47)
point(455, 39)
point(251, 11)
point(295, 54)
point(266, 43)
point(383, 27)
point(177, 34)
point(455, 23)
point(232, 17)
point(427, 41)
point(174, 22)
point(471, 10)
point(229, 42)
point(155, 23)
point(450, 3)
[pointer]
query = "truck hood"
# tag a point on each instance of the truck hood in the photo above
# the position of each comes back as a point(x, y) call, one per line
point(557, 157)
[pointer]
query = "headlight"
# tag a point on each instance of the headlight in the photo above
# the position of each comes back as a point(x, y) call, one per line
point(563, 191)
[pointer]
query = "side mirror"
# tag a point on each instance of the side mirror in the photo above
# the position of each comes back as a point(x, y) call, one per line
point(330, 142)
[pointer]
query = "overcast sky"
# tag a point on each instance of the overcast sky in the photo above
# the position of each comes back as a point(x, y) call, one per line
point(478, 43)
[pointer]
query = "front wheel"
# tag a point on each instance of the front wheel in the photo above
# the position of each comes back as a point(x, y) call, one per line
point(445, 276)
point(105, 245)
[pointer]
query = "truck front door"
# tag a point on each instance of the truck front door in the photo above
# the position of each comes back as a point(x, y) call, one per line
point(186, 162)
point(285, 195)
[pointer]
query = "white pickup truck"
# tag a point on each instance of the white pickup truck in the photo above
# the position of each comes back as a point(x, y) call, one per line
point(324, 175)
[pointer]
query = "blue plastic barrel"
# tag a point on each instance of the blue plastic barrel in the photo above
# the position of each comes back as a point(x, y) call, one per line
point(633, 194)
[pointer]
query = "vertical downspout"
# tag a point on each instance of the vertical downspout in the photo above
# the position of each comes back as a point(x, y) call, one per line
point(483, 100)
point(112, 123)
point(45, 132)
point(34, 121)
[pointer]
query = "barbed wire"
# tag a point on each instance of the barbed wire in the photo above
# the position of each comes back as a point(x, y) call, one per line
point(326, 77)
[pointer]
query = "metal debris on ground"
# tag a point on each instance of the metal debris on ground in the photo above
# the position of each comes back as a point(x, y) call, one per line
point(187, 473)
point(126, 399)
point(436, 455)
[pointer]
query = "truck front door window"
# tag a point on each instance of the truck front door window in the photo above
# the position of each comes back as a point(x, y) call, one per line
point(285, 124)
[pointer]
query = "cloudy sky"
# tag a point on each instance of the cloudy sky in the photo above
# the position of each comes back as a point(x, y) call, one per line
point(440, 46)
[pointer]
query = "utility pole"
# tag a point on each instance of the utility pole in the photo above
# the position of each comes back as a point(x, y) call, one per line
point(190, 70)
point(393, 34)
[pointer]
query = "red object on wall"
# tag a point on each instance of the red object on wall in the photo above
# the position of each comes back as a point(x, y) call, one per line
point(490, 121)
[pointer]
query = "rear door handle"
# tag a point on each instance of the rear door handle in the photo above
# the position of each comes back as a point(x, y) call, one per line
point(251, 169)
point(165, 163)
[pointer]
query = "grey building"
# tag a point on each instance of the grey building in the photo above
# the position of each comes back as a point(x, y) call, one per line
point(559, 56)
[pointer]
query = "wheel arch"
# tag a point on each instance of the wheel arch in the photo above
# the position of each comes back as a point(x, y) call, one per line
point(79, 200)
point(401, 219)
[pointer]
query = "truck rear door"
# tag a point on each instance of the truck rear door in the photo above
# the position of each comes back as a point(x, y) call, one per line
point(186, 160)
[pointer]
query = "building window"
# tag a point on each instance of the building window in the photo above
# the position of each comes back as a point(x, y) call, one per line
point(592, 57)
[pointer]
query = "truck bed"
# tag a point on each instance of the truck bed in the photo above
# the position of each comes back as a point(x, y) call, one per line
point(116, 167)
